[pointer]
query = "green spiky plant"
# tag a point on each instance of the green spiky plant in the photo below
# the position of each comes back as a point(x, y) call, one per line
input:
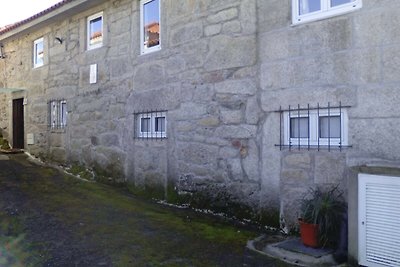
point(324, 207)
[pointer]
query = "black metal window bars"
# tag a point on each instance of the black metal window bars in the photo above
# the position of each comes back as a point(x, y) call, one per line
point(301, 142)
point(150, 125)
point(57, 114)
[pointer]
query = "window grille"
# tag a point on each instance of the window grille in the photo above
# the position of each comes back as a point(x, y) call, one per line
point(320, 127)
point(57, 114)
point(151, 125)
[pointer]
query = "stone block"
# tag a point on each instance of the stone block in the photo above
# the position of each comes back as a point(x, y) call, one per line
point(296, 176)
point(198, 153)
point(330, 168)
point(244, 87)
point(231, 116)
point(228, 52)
point(190, 110)
point(251, 162)
point(234, 168)
point(248, 16)
point(109, 139)
point(232, 27)
point(238, 131)
point(228, 152)
point(120, 26)
point(229, 101)
point(149, 75)
point(298, 160)
point(391, 64)
point(223, 15)
point(189, 32)
point(211, 30)
point(253, 111)
point(209, 121)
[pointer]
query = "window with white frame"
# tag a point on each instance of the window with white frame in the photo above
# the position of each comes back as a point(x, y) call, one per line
point(315, 127)
point(151, 124)
point(38, 53)
point(57, 114)
point(150, 25)
point(95, 31)
point(310, 10)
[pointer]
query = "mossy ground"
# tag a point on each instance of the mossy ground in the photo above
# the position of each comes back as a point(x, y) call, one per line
point(92, 223)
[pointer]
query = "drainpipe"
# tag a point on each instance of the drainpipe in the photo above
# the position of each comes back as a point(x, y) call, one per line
point(3, 56)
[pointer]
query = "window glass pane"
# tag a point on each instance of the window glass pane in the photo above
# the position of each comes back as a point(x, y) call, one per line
point(151, 17)
point(160, 124)
point(329, 127)
point(53, 115)
point(39, 52)
point(145, 125)
point(63, 114)
point(96, 31)
point(308, 6)
point(340, 2)
point(299, 127)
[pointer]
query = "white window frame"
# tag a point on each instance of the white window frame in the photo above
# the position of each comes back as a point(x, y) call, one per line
point(58, 114)
point(35, 53)
point(88, 32)
point(326, 11)
point(314, 139)
point(143, 48)
point(152, 133)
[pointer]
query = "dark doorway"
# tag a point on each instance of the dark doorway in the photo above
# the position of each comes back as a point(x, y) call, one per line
point(18, 123)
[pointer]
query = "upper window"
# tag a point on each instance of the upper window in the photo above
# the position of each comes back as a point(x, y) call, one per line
point(315, 127)
point(309, 10)
point(150, 25)
point(152, 125)
point(38, 53)
point(95, 31)
point(57, 114)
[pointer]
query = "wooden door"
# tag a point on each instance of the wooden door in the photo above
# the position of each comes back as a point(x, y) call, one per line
point(18, 123)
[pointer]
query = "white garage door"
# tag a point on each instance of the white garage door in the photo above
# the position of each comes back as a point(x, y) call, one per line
point(379, 220)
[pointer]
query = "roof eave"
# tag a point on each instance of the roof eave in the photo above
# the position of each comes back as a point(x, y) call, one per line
point(61, 12)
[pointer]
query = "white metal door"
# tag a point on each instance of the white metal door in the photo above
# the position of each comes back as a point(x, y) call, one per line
point(379, 220)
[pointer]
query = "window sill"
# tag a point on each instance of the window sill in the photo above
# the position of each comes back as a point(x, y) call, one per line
point(57, 130)
point(323, 15)
point(150, 50)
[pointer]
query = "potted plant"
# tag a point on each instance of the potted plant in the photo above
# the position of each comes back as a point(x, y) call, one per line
point(321, 216)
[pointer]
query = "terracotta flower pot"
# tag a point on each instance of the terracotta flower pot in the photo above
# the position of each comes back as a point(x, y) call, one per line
point(309, 234)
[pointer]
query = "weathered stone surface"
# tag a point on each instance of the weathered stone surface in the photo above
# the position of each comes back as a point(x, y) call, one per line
point(298, 160)
point(226, 52)
point(148, 75)
point(296, 177)
point(187, 33)
point(232, 27)
point(239, 131)
point(236, 87)
point(251, 162)
point(235, 170)
point(330, 168)
point(212, 29)
point(198, 153)
point(231, 116)
point(209, 121)
point(223, 15)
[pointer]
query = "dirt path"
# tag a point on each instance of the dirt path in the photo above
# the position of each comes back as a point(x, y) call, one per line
point(50, 219)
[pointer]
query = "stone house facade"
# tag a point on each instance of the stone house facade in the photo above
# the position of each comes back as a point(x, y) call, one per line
point(248, 102)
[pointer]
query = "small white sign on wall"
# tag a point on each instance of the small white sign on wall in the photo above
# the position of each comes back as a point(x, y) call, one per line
point(93, 73)
point(30, 139)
